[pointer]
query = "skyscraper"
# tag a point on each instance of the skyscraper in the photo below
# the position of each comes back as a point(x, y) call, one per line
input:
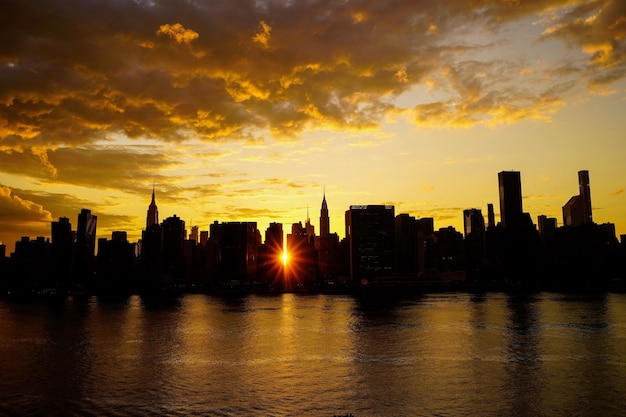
point(324, 219)
point(370, 233)
point(585, 194)
point(85, 246)
point(491, 218)
point(578, 209)
point(86, 231)
point(510, 187)
point(153, 212)
point(474, 228)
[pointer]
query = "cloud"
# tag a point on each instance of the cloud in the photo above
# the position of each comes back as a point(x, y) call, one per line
point(74, 72)
point(20, 216)
point(178, 33)
point(617, 192)
point(263, 36)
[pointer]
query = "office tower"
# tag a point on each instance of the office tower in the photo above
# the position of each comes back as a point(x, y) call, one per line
point(370, 234)
point(173, 244)
point(194, 234)
point(327, 245)
point(61, 251)
point(474, 230)
point(510, 187)
point(406, 243)
point(61, 233)
point(425, 230)
point(204, 237)
point(86, 232)
point(270, 259)
point(236, 250)
point(85, 247)
point(578, 209)
point(297, 236)
point(585, 195)
point(547, 226)
point(153, 212)
point(473, 222)
point(491, 217)
point(115, 262)
point(274, 237)
point(324, 219)
point(302, 265)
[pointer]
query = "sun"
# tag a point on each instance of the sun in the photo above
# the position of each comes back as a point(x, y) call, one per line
point(285, 258)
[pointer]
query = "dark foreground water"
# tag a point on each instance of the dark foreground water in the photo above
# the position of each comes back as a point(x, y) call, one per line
point(289, 355)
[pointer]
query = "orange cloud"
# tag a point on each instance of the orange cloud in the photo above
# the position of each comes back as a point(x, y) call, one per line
point(178, 33)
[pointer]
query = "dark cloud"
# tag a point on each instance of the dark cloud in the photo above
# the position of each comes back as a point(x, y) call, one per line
point(20, 216)
point(73, 72)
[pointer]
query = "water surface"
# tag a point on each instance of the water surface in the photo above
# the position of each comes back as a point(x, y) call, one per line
point(322, 355)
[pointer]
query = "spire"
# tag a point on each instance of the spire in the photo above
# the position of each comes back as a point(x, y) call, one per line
point(153, 212)
point(324, 220)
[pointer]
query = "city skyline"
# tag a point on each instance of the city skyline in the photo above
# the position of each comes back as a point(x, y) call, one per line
point(247, 111)
point(514, 181)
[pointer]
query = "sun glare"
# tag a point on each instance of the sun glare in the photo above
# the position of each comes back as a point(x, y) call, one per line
point(285, 258)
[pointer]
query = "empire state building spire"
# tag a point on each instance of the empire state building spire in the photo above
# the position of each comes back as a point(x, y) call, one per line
point(153, 212)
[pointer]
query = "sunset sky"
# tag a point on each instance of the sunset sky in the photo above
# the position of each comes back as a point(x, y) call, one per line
point(247, 110)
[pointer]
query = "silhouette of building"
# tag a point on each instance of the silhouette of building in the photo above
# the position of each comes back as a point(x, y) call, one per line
point(406, 245)
point(270, 265)
point(474, 228)
point(173, 249)
point(491, 217)
point(236, 247)
point(310, 229)
point(578, 209)
point(371, 239)
point(327, 246)
point(61, 252)
point(301, 268)
point(115, 263)
point(30, 262)
point(425, 235)
point(85, 246)
point(324, 218)
point(446, 251)
point(547, 226)
point(510, 187)
point(152, 217)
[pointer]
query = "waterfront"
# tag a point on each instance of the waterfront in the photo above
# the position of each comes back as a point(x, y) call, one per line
point(455, 354)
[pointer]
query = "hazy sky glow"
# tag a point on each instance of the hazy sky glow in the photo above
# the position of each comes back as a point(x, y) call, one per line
point(245, 110)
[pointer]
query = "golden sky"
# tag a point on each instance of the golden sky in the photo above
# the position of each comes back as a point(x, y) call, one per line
point(246, 110)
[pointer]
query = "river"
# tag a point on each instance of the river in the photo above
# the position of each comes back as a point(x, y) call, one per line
point(448, 354)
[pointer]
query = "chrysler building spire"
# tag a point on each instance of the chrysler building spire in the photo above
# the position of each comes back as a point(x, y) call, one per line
point(324, 220)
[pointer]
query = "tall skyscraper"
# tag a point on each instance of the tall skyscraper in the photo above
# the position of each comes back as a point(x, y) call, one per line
point(86, 231)
point(474, 228)
point(324, 219)
point(473, 222)
point(370, 233)
point(237, 246)
point(153, 212)
point(510, 187)
point(491, 218)
point(547, 226)
point(585, 194)
point(578, 209)
point(85, 246)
